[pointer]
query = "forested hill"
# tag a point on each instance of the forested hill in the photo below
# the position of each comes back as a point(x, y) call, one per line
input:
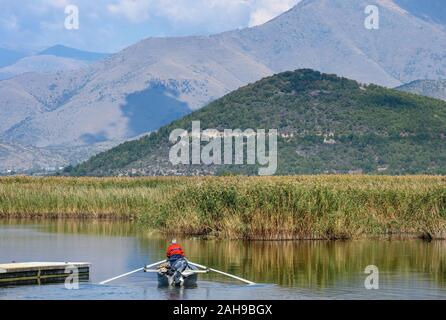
point(327, 124)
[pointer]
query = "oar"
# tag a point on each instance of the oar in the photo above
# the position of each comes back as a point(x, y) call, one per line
point(187, 271)
point(131, 272)
point(223, 273)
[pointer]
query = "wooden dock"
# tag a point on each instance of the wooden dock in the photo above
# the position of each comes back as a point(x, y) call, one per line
point(25, 273)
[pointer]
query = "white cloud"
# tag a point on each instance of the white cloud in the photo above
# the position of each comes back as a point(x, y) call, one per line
point(133, 10)
point(57, 3)
point(201, 11)
point(10, 22)
point(109, 25)
point(265, 10)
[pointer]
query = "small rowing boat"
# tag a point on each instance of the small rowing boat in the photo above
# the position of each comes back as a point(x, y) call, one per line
point(169, 277)
point(187, 277)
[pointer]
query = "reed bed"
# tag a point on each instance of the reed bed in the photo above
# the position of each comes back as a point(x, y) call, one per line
point(266, 208)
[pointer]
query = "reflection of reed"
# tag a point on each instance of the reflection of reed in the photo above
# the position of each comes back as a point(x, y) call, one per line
point(306, 264)
point(79, 226)
point(92, 227)
point(319, 264)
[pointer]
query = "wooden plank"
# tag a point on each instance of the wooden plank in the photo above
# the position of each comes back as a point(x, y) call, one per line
point(35, 272)
point(31, 266)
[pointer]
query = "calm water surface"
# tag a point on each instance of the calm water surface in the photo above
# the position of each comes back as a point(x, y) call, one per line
point(408, 269)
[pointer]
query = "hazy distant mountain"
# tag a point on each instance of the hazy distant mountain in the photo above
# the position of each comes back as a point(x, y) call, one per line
point(158, 80)
point(54, 59)
point(429, 88)
point(8, 57)
point(71, 53)
point(20, 158)
point(41, 64)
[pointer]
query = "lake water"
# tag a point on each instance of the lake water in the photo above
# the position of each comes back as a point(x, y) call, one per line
point(408, 269)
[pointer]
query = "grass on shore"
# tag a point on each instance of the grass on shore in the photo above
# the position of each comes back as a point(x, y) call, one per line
point(300, 207)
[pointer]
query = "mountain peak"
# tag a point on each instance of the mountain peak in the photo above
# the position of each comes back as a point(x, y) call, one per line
point(68, 52)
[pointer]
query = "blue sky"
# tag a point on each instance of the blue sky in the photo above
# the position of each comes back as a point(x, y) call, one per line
point(110, 25)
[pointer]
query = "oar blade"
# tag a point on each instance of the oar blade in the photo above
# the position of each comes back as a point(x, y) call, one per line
point(223, 273)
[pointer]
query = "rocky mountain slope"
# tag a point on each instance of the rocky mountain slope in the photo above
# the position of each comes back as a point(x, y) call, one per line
point(53, 59)
point(431, 10)
point(41, 64)
point(159, 80)
point(429, 88)
point(73, 53)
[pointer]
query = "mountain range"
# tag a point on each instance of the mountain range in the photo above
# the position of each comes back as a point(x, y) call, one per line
point(54, 59)
point(158, 80)
point(326, 124)
point(72, 53)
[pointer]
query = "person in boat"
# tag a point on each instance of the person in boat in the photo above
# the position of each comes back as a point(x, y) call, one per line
point(176, 259)
point(174, 252)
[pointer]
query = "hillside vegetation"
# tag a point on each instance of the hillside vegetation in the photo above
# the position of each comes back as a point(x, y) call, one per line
point(327, 124)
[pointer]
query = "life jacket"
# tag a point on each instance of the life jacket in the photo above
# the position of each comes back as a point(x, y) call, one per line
point(175, 249)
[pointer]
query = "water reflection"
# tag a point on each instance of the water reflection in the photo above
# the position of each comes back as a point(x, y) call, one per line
point(407, 267)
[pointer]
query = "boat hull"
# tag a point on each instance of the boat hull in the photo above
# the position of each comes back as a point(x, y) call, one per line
point(165, 280)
